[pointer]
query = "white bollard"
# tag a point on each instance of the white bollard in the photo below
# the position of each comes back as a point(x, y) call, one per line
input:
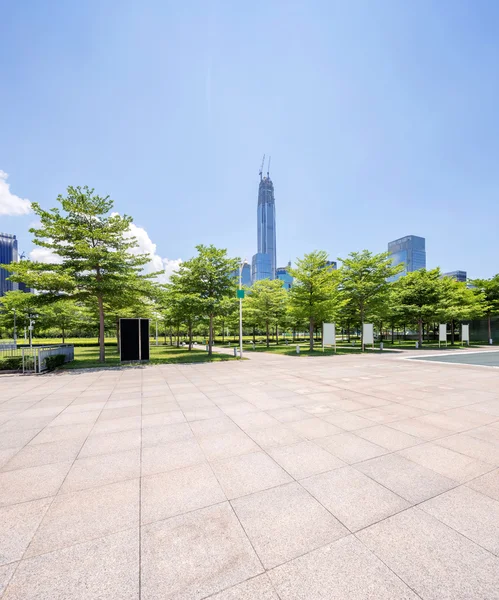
point(297, 349)
point(381, 345)
point(491, 341)
point(417, 345)
point(207, 348)
point(235, 352)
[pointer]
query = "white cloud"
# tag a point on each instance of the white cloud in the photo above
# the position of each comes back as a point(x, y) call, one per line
point(146, 246)
point(10, 204)
point(44, 255)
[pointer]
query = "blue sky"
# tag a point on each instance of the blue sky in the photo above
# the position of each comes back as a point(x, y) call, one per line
point(381, 118)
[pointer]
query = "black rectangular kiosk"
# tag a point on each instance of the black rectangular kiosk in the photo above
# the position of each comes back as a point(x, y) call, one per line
point(134, 339)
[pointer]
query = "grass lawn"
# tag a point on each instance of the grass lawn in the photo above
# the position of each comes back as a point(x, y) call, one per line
point(88, 357)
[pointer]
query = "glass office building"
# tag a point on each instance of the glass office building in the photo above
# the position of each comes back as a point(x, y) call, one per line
point(265, 260)
point(283, 274)
point(457, 275)
point(8, 254)
point(410, 251)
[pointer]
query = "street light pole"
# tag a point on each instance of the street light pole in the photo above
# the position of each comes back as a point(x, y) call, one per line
point(241, 309)
point(15, 328)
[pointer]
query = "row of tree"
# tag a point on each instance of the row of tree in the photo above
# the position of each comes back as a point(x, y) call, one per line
point(96, 275)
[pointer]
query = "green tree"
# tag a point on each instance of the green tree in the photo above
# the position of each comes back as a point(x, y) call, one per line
point(266, 304)
point(63, 314)
point(93, 253)
point(417, 297)
point(364, 282)
point(459, 303)
point(490, 290)
point(18, 307)
point(314, 296)
point(209, 276)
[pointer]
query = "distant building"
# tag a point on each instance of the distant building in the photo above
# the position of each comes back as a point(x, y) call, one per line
point(457, 275)
point(246, 275)
point(410, 251)
point(332, 264)
point(284, 275)
point(8, 254)
point(264, 262)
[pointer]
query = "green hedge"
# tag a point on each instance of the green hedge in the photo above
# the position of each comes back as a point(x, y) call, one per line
point(15, 363)
point(52, 362)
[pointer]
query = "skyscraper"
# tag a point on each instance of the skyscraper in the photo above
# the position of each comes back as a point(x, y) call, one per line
point(457, 275)
point(8, 254)
point(409, 250)
point(265, 260)
point(285, 276)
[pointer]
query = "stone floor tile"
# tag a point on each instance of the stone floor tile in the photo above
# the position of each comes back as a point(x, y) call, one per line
point(389, 413)
point(434, 560)
point(6, 455)
point(350, 448)
point(258, 588)
point(175, 492)
point(211, 553)
point(111, 442)
point(63, 432)
point(225, 445)
point(202, 413)
point(115, 425)
point(406, 478)
point(353, 498)
point(23, 485)
point(487, 484)
point(305, 459)
point(314, 428)
point(6, 573)
point(85, 515)
point(285, 522)
point(120, 413)
point(347, 421)
point(488, 433)
point(425, 431)
point(471, 513)
point(102, 469)
point(288, 414)
point(175, 455)
point(474, 447)
point(448, 463)
point(277, 435)
point(18, 524)
point(163, 434)
point(36, 455)
point(254, 420)
point(238, 408)
point(342, 570)
point(387, 437)
point(104, 569)
point(213, 426)
point(163, 418)
point(249, 473)
point(17, 438)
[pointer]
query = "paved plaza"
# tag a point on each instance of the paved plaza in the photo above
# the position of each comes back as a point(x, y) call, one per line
point(334, 478)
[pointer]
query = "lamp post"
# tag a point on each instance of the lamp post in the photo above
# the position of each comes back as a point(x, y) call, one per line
point(31, 323)
point(15, 328)
point(241, 296)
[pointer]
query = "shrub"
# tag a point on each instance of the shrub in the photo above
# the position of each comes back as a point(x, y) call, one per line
point(52, 362)
point(11, 363)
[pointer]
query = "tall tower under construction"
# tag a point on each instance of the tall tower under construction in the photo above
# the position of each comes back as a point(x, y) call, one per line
point(265, 260)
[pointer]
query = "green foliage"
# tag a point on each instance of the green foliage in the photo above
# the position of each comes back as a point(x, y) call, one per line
point(266, 304)
point(364, 282)
point(11, 363)
point(314, 296)
point(52, 362)
point(94, 263)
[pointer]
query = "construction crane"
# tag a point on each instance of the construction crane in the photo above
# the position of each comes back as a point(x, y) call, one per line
point(268, 168)
point(261, 168)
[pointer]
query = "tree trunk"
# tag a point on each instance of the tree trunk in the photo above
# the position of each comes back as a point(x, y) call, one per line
point(277, 335)
point(490, 327)
point(268, 337)
point(452, 339)
point(362, 328)
point(190, 337)
point(393, 335)
point(311, 333)
point(118, 334)
point(254, 334)
point(102, 348)
point(420, 331)
point(210, 337)
point(178, 336)
point(171, 335)
point(63, 335)
point(348, 332)
point(223, 332)
point(294, 334)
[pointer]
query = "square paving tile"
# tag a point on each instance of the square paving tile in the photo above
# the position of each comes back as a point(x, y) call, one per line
point(213, 426)
point(102, 469)
point(288, 414)
point(471, 513)
point(257, 588)
point(342, 570)
point(406, 478)
point(420, 429)
point(314, 428)
point(353, 498)
point(347, 421)
point(225, 445)
point(192, 556)
point(23, 485)
point(437, 562)
point(249, 473)
point(277, 435)
point(175, 492)
point(85, 515)
point(107, 443)
point(305, 459)
point(175, 455)
point(35, 455)
point(387, 437)
point(285, 522)
point(106, 568)
point(350, 448)
point(487, 484)
point(474, 447)
point(451, 464)
point(6, 573)
point(163, 434)
point(18, 524)
point(115, 425)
